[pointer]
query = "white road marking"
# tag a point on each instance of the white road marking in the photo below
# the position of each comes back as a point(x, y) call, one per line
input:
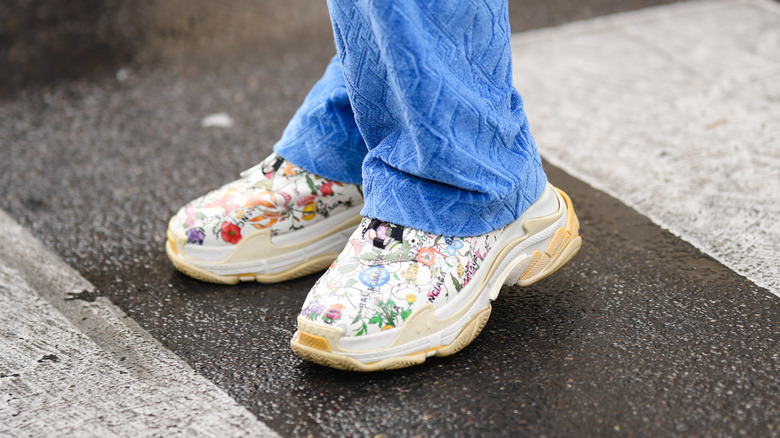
point(675, 111)
point(78, 368)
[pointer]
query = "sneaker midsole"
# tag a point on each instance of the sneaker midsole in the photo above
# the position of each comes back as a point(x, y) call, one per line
point(260, 253)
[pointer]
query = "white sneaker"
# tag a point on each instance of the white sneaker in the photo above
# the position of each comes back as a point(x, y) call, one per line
point(395, 295)
point(275, 223)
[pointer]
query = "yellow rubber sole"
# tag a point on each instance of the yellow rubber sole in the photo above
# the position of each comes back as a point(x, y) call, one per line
point(257, 247)
point(310, 266)
point(563, 246)
point(464, 338)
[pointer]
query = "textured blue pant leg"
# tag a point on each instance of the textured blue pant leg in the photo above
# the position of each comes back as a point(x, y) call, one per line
point(430, 85)
point(429, 88)
point(322, 136)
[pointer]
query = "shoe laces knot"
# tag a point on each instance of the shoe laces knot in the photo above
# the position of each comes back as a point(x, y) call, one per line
point(383, 233)
point(269, 165)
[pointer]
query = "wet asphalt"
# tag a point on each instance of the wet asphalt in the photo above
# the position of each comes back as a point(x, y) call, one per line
point(641, 334)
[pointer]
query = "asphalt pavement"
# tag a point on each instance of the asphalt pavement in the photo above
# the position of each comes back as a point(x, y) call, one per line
point(641, 334)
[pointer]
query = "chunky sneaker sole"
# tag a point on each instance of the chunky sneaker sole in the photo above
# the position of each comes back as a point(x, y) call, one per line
point(264, 258)
point(539, 243)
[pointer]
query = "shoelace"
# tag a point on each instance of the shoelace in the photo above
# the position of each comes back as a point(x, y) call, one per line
point(261, 165)
point(396, 233)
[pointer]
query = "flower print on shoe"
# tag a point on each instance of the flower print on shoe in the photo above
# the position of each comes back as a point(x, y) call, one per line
point(275, 223)
point(395, 295)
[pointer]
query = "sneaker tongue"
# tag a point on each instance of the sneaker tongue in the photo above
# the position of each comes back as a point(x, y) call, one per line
point(381, 234)
point(276, 165)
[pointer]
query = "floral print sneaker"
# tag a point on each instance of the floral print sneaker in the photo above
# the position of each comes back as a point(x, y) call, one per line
point(396, 296)
point(275, 223)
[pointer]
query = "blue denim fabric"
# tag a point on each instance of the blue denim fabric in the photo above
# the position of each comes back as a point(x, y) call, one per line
point(419, 107)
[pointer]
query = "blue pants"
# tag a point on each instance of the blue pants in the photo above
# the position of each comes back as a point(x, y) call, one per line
point(419, 107)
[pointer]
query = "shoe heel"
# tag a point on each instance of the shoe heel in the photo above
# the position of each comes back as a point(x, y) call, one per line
point(563, 246)
point(511, 275)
